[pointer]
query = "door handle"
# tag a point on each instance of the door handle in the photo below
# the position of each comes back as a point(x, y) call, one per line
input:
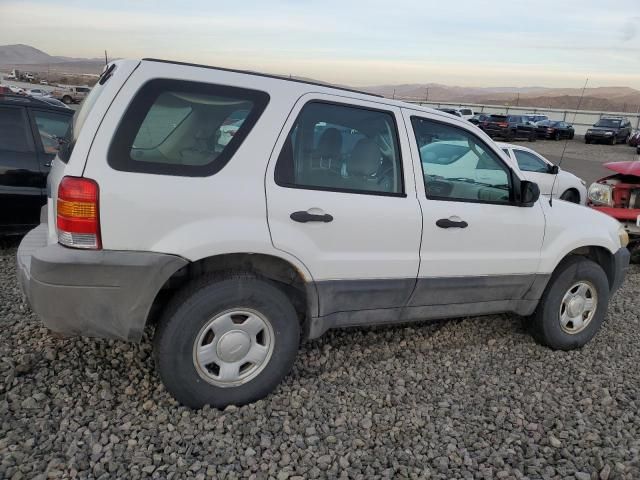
point(304, 217)
point(446, 223)
point(48, 164)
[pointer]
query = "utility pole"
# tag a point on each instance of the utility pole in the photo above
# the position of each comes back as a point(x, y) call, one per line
point(518, 100)
point(394, 93)
point(426, 100)
point(106, 61)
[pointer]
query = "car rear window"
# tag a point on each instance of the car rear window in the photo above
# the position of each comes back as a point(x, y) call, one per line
point(182, 128)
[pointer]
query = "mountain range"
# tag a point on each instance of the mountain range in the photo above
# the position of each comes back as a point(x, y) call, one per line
point(600, 98)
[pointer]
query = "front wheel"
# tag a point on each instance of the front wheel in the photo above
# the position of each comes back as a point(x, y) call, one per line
point(67, 100)
point(573, 305)
point(226, 341)
point(556, 137)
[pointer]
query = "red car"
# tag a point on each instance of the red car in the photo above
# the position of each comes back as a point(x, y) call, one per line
point(618, 195)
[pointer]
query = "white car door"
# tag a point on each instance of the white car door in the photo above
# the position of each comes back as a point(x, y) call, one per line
point(535, 169)
point(480, 252)
point(341, 198)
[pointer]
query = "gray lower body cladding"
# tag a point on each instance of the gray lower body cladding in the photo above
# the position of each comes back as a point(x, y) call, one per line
point(98, 293)
point(406, 300)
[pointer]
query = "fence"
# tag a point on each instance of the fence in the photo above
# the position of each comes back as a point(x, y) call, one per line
point(580, 119)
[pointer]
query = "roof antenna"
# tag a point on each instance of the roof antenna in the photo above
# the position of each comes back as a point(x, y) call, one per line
point(566, 142)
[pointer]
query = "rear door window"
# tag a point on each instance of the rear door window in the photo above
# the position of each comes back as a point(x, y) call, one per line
point(15, 134)
point(342, 148)
point(52, 128)
point(184, 128)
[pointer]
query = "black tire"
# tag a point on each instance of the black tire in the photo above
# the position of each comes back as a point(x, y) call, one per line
point(545, 322)
point(557, 136)
point(532, 136)
point(587, 140)
point(67, 100)
point(571, 135)
point(570, 196)
point(189, 311)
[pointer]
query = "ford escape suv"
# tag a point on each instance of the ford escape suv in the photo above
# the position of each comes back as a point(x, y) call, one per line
point(244, 212)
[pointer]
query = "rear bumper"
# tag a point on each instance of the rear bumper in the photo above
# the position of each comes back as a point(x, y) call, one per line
point(95, 293)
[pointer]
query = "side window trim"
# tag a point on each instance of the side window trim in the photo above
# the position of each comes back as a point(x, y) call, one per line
point(347, 104)
point(511, 175)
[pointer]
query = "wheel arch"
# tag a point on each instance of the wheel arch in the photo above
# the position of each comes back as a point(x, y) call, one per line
point(575, 192)
point(600, 255)
point(294, 280)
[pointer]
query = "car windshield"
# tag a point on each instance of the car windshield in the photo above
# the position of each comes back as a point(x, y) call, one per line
point(608, 122)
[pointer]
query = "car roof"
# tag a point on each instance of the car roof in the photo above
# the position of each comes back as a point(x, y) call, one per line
point(26, 101)
point(326, 88)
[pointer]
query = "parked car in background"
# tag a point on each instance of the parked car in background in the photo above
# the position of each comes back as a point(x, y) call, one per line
point(30, 133)
point(327, 208)
point(18, 90)
point(54, 102)
point(610, 130)
point(479, 118)
point(555, 129)
point(634, 139)
point(450, 111)
point(38, 92)
point(71, 94)
point(618, 195)
point(466, 113)
point(535, 117)
point(536, 168)
point(509, 127)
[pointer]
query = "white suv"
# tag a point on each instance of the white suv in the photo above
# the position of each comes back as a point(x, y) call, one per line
point(324, 208)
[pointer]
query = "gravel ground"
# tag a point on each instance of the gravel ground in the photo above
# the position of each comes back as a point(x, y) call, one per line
point(472, 398)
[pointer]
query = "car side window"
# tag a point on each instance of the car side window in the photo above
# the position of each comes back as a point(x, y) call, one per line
point(183, 128)
point(528, 162)
point(52, 127)
point(458, 166)
point(342, 148)
point(15, 134)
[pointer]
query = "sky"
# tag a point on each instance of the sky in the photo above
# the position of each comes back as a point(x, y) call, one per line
point(486, 43)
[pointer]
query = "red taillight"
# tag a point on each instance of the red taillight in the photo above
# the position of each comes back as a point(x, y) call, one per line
point(78, 218)
point(550, 130)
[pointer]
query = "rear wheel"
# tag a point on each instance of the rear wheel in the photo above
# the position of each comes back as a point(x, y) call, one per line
point(226, 341)
point(67, 100)
point(573, 305)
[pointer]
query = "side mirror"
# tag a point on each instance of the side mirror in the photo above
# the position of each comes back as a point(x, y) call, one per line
point(529, 193)
point(554, 169)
